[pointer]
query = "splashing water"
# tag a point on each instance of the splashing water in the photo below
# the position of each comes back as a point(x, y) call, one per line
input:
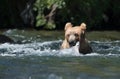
point(52, 48)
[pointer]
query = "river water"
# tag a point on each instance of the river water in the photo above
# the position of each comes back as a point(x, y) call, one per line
point(39, 57)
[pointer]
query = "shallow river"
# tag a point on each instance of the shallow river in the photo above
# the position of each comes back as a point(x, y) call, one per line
point(39, 57)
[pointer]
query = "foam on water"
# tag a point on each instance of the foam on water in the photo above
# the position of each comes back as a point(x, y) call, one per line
point(51, 48)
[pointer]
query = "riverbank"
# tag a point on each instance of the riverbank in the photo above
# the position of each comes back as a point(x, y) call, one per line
point(103, 35)
point(58, 35)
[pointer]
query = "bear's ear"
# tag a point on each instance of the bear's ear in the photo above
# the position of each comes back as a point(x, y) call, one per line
point(68, 25)
point(83, 27)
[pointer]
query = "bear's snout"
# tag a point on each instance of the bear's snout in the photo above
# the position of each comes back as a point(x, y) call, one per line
point(72, 40)
point(72, 43)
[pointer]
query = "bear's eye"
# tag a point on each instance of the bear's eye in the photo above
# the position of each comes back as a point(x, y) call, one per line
point(68, 35)
point(76, 34)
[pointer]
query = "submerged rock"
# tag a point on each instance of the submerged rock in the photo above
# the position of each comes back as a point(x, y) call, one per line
point(4, 39)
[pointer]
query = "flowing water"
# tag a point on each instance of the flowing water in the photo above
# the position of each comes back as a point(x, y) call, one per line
point(39, 57)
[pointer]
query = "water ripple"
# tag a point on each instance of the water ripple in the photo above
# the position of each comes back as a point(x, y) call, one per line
point(52, 48)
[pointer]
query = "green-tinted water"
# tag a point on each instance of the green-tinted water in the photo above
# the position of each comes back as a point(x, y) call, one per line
point(35, 67)
point(38, 57)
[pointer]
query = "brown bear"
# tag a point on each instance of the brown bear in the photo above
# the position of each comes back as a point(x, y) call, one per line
point(76, 34)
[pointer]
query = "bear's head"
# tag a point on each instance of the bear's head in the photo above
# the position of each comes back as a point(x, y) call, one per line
point(74, 34)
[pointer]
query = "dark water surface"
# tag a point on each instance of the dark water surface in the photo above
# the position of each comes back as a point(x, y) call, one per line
point(39, 57)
